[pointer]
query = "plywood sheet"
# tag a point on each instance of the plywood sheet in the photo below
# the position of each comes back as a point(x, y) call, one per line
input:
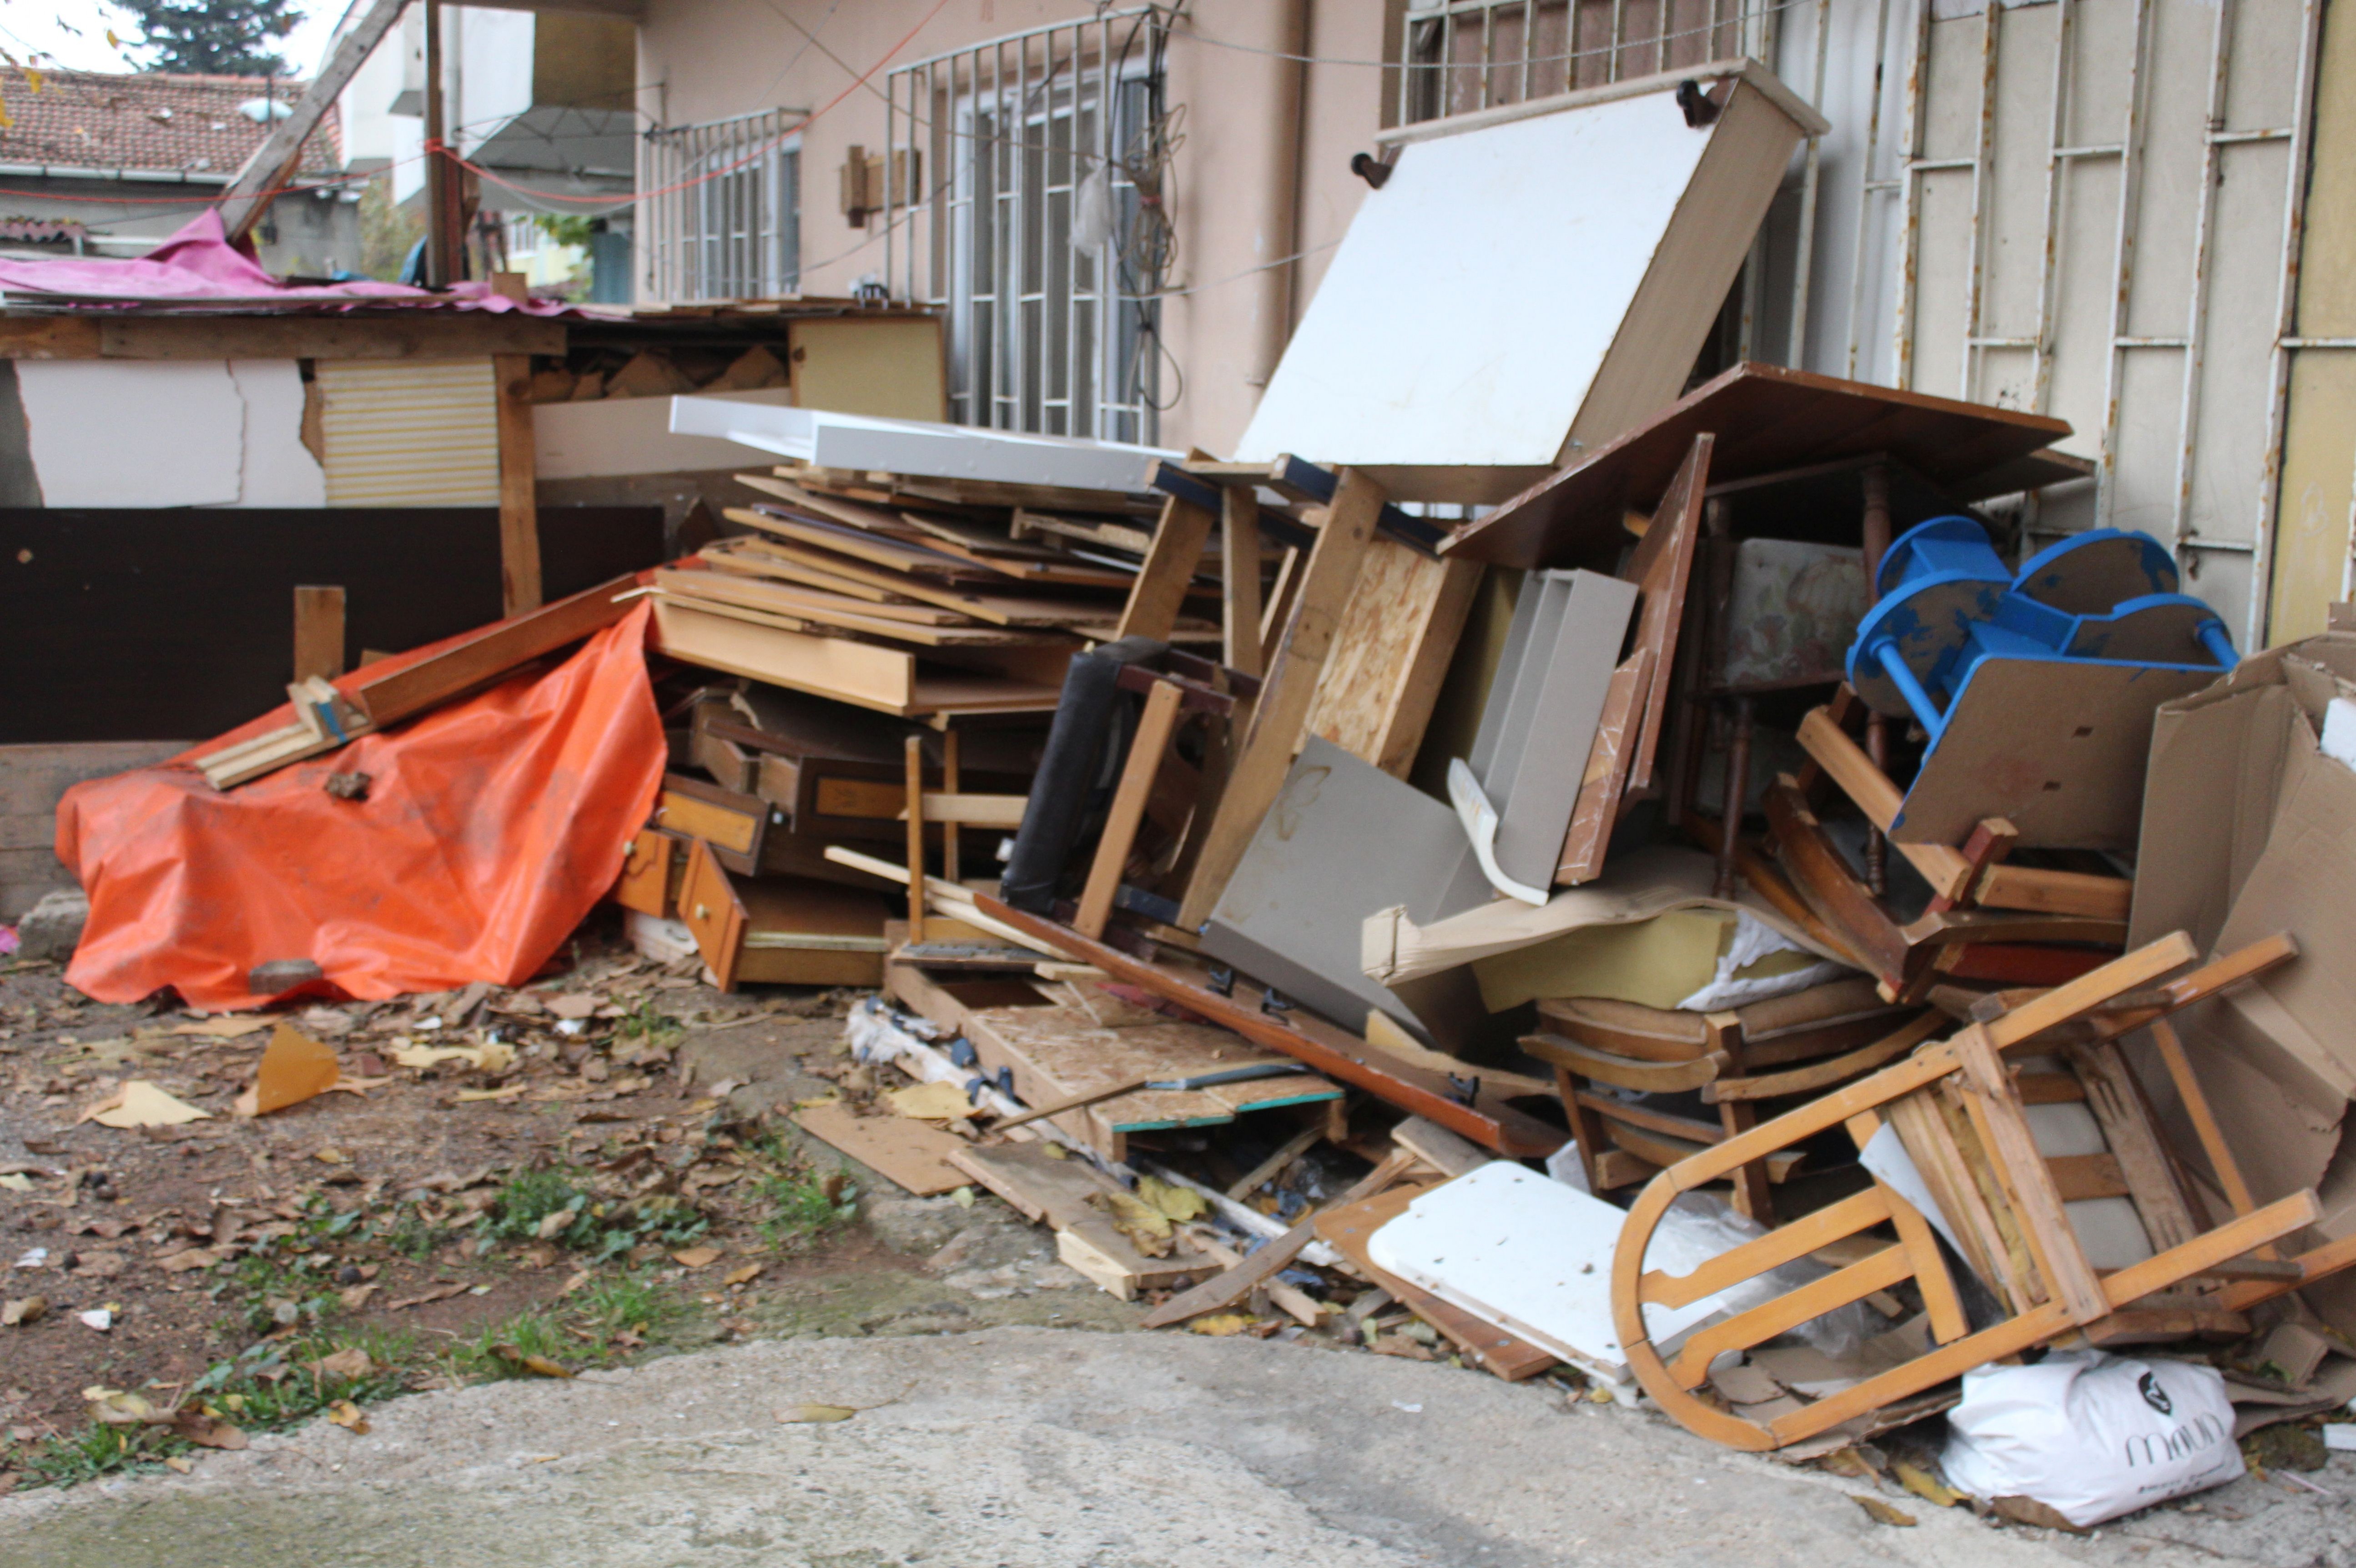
point(1482, 357)
point(910, 1153)
point(1399, 631)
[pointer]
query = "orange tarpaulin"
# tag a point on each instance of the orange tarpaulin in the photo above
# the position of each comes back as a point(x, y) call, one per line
point(490, 829)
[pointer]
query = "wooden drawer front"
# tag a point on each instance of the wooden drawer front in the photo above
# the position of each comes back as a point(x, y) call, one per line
point(708, 903)
point(729, 763)
point(837, 796)
point(651, 875)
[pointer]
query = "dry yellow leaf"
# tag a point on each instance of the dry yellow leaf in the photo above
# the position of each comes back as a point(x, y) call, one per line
point(1169, 1198)
point(539, 1365)
point(178, 1464)
point(347, 1415)
point(293, 1068)
point(1924, 1484)
point(22, 1309)
point(745, 1276)
point(472, 1096)
point(225, 1027)
point(934, 1101)
point(349, 1363)
point(796, 1414)
point(1220, 1324)
point(140, 1104)
point(1882, 1513)
point(695, 1257)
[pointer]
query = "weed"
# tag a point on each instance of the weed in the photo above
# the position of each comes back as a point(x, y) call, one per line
point(628, 1304)
point(600, 1230)
point(804, 1203)
point(648, 1030)
point(533, 1197)
point(99, 1451)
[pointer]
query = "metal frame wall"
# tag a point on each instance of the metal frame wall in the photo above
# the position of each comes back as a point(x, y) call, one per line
point(733, 234)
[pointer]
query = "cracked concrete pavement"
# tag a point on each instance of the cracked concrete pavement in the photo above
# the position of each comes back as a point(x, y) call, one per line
point(1047, 1448)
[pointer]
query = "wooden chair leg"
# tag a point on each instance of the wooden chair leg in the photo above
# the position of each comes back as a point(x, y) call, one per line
point(1128, 800)
point(915, 758)
point(1586, 1126)
point(1753, 1198)
point(950, 870)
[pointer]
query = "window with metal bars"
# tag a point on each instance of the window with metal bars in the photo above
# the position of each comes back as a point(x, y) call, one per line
point(722, 215)
point(1032, 218)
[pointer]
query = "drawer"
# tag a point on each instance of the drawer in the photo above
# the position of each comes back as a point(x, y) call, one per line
point(652, 872)
point(787, 930)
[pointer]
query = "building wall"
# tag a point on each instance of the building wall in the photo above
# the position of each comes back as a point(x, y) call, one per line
point(1262, 174)
point(304, 234)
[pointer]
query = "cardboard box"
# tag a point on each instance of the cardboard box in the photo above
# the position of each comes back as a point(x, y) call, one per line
point(2248, 830)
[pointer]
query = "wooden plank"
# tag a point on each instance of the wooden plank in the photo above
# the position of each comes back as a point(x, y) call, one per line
point(1339, 1055)
point(2058, 1006)
point(1929, 1265)
point(1239, 566)
point(1596, 810)
point(1785, 1243)
point(405, 334)
point(2058, 892)
point(1439, 1149)
point(999, 609)
point(866, 676)
point(2221, 1161)
point(1885, 1268)
point(1845, 764)
point(318, 632)
point(2144, 1167)
point(1821, 1075)
point(518, 505)
point(1398, 633)
point(1931, 1146)
point(2039, 1202)
point(913, 811)
point(1280, 716)
point(1113, 845)
point(914, 1155)
point(2080, 1176)
point(490, 653)
point(1056, 1192)
point(1159, 591)
point(1000, 811)
point(1864, 929)
point(1273, 1256)
point(1662, 567)
point(753, 601)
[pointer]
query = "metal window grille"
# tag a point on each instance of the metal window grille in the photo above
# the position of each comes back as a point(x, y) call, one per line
point(723, 216)
point(1020, 215)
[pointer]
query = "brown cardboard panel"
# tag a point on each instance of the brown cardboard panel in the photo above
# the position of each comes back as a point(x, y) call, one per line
point(2057, 748)
point(2302, 885)
point(2216, 775)
point(2281, 1122)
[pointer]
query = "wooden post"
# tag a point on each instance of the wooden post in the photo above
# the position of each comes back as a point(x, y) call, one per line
point(1159, 591)
point(950, 868)
point(318, 633)
point(1128, 800)
point(1282, 712)
point(915, 754)
point(445, 234)
point(1240, 567)
point(519, 502)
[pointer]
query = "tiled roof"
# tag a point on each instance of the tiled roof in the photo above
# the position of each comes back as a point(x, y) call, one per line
point(148, 122)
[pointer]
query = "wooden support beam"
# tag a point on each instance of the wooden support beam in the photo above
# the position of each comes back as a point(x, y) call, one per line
point(1161, 586)
point(519, 458)
point(915, 811)
point(1240, 567)
point(318, 632)
point(1281, 716)
point(1153, 738)
point(279, 158)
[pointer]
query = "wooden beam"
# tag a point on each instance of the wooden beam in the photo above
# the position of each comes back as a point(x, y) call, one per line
point(1239, 567)
point(1161, 586)
point(406, 334)
point(1281, 718)
point(1119, 833)
point(490, 653)
point(279, 156)
point(318, 632)
point(916, 815)
point(518, 505)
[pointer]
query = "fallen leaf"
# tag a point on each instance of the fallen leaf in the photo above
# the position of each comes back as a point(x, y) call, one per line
point(357, 1297)
point(471, 1097)
point(331, 1155)
point(1924, 1484)
point(15, 1181)
point(178, 1464)
point(494, 1056)
point(794, 1414)
point(575, 1283)
point(745, 1276)
point(439, 1293)
point(349, 1363)
point(22, 1309)
point(207, 1432)
point(99, 1318)
point(193, 1258)
point(225, 1027)
point(293, 1068)
point(695, 1257)
point(99, 1265)
point(1220, 1324)
point(540, 1365)
point(1146, 1228)
point(1882, 1513)
point(111, 1407)
point(140, 1104)
point(573, 1005)
point(423, 1056)
point(1848, 1461)
point(347, 1415)
point(934, 1101)
point(556, 1223)
point(1172, 1200)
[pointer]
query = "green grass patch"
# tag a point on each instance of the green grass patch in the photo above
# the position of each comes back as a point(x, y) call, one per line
point(803, 1204)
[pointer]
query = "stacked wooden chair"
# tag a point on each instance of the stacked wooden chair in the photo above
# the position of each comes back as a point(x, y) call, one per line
point(1764, 1056)
point(1959, 1109)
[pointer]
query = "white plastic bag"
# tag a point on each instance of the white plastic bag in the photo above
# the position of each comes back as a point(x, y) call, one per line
point(2092, 1435)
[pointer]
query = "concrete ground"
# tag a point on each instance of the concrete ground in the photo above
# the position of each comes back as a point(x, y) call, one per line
point(1033, 1447)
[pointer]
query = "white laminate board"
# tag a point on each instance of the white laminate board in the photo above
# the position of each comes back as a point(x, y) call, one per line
point(1533, 1256)
point(278, 469)
point(863, 442)
point(148, 433)
point(1475, 296)
point(607, 437)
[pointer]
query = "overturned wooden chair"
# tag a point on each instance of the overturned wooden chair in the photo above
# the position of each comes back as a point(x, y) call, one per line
point(1737, 1059)
point(1959, 1111)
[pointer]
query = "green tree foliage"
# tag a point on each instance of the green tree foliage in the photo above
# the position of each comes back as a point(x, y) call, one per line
point(212, 37)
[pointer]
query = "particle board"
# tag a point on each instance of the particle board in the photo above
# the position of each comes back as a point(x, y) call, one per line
point(1484, 360)
point(913, 1154)
point(890, 367)
point(1399, 632)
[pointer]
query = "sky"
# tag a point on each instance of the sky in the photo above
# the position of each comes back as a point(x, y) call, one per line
point(71, 34)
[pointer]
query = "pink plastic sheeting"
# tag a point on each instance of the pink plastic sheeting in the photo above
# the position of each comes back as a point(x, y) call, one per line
point(491, 828)
point(199, 264)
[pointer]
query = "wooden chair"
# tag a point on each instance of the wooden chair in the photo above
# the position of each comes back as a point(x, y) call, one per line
point(1959, 1111)
point(1782, 1049)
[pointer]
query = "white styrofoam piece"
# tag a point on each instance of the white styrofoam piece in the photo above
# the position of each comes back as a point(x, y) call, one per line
point(278, 469)
point(1529, 1254)
point(2339, 732)
point(864, 442)
point(1475, 296)
point(605, 437)
point(145, 432)
point(2340, 1438)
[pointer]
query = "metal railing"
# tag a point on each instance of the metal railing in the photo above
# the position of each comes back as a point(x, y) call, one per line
point(1023, 201)
point(735, 231)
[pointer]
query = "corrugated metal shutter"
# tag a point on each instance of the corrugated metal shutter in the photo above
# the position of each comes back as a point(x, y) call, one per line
point(410, 432)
